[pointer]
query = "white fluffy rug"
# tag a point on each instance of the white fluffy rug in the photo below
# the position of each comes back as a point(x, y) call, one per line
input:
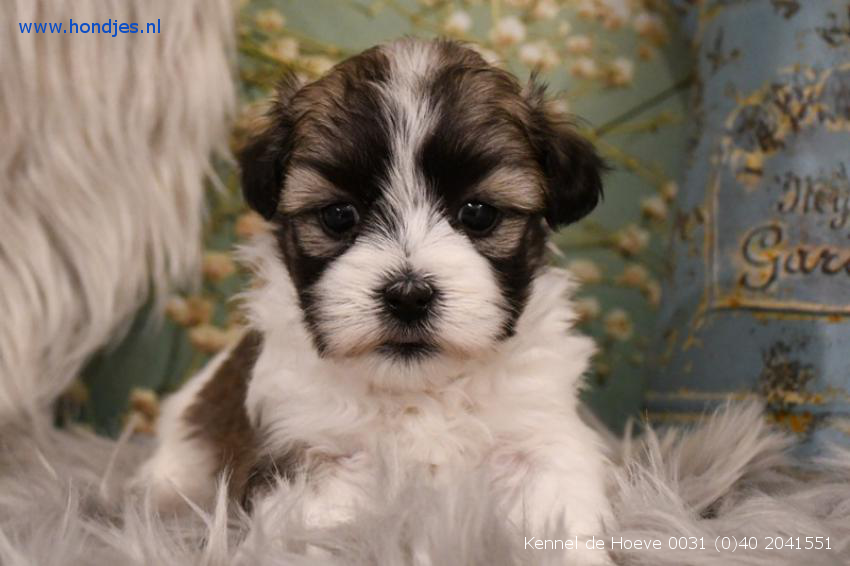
point(62, 503)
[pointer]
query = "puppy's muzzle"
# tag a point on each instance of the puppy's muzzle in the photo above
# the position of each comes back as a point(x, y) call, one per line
point(408, 299)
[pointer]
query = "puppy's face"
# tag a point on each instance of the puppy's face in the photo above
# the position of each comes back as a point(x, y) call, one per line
point(409, 189)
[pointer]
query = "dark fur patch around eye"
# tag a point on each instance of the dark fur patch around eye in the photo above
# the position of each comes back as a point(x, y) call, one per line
point(304, 270)
point(343, 126)
point(358, 162)
point(480, 131)
point(341, 131)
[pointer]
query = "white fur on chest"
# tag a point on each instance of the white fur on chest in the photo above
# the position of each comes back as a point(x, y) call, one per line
point(521, 394)
point(511, 414)
point(509, 417)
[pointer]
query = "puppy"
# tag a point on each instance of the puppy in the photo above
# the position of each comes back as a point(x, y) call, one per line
point(402, 304)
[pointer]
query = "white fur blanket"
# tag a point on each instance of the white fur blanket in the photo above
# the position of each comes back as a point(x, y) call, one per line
point(106, 142)
point(62, 503)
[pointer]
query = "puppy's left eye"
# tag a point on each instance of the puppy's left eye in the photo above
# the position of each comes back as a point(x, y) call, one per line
point(337, 219)
point(478, 218)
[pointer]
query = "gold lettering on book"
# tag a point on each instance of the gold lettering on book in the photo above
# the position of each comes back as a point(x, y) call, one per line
point(767, 253)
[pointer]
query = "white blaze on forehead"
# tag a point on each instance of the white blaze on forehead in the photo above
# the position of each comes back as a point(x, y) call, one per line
point(410, 60)
point(412, 63)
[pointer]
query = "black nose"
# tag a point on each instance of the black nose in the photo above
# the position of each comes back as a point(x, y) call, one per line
point(408, 299)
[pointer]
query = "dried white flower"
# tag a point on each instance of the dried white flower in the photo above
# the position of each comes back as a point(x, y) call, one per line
point(145, 401)
point(618, 325)
point(189, 312)
point(654, 207)
point(634, 275)
point(217, 266)
point(587, 308)
point(646, 52)
point(652, 292)
point(650, 26)
point(621, 72)
point(559, 106)
point(632, 239)
point(587, 9)
point(508, 31)
point(177, 309)
point(584, 68)
point(284, 49)
point(530, 54)
point(269, 20)
point(317, 64)
point(613, 13)
point(249, 224)
point(539, 54)
point(457, 23)
point(669, 190)
point(208, 338)
point(579, 44)
point(585, 271)
point(545, 10)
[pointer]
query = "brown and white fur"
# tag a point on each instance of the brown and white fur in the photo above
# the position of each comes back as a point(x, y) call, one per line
point(412, 147)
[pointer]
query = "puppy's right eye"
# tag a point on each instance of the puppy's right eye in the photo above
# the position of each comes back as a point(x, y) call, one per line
point(339, 218)
point(478, 218)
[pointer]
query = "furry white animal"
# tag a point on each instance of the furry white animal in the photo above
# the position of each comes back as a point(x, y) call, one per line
point(403, 318)
point(106, 145)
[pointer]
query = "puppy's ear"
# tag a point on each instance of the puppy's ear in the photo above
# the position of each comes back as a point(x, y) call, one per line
point(572, 168)
point(265, 157)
